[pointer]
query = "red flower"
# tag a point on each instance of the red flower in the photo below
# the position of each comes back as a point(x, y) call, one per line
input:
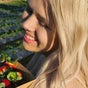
point(3, 69)
point(7, 82)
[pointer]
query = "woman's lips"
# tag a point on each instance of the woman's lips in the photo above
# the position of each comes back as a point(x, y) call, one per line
point(29, 39)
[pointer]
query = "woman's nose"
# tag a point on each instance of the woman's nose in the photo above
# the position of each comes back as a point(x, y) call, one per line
point(30, 23)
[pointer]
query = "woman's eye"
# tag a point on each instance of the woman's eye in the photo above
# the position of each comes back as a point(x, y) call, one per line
point(44, 25)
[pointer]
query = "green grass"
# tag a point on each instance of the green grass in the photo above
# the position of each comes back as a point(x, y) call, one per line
point(15, 2)
point(11, 15)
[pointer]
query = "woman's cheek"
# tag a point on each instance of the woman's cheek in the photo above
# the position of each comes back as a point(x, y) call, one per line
point(42, 35)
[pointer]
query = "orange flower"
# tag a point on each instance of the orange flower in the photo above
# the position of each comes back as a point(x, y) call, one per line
point(10, 64)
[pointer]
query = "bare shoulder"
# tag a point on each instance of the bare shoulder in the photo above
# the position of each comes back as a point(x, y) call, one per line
point(77, 82)
point(74, 84)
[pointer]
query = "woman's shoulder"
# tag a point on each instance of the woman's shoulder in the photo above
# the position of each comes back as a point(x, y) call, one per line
point(74, 84)
point(77, 82)
point(40, 82)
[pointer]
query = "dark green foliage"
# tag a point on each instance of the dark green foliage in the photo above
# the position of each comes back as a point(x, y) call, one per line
point(11, 25)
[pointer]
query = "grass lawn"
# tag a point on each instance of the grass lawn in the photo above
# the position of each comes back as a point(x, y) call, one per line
point(10, 17)
point(13, 2)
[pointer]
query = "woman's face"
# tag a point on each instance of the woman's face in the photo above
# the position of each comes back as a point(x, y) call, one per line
point(38, 36)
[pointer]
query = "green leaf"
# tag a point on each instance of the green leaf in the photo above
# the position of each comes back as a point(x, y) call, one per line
point(8, 59)
point(12, 76)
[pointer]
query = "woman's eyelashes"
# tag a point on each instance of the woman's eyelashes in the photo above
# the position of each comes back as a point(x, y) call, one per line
point(44, 25)
point(42, 22)
point(29, 10)
point(29, 13)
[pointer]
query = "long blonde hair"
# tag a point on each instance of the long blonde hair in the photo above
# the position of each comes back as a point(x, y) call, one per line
point(71, 21)
point(72, 25)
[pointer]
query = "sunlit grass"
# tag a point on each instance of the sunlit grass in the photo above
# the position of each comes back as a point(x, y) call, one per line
point(10, 17)
point(14, 2)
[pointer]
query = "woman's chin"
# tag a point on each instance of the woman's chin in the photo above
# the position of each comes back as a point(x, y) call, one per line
point(30, 47)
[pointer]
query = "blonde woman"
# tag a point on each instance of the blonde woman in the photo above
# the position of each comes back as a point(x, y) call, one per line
point(60, 28)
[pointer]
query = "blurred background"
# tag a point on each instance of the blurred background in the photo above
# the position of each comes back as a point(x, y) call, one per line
point(11, 31)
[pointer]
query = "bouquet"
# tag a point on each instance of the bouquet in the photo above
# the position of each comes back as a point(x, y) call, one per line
point(8, 73)
point(10, 76)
